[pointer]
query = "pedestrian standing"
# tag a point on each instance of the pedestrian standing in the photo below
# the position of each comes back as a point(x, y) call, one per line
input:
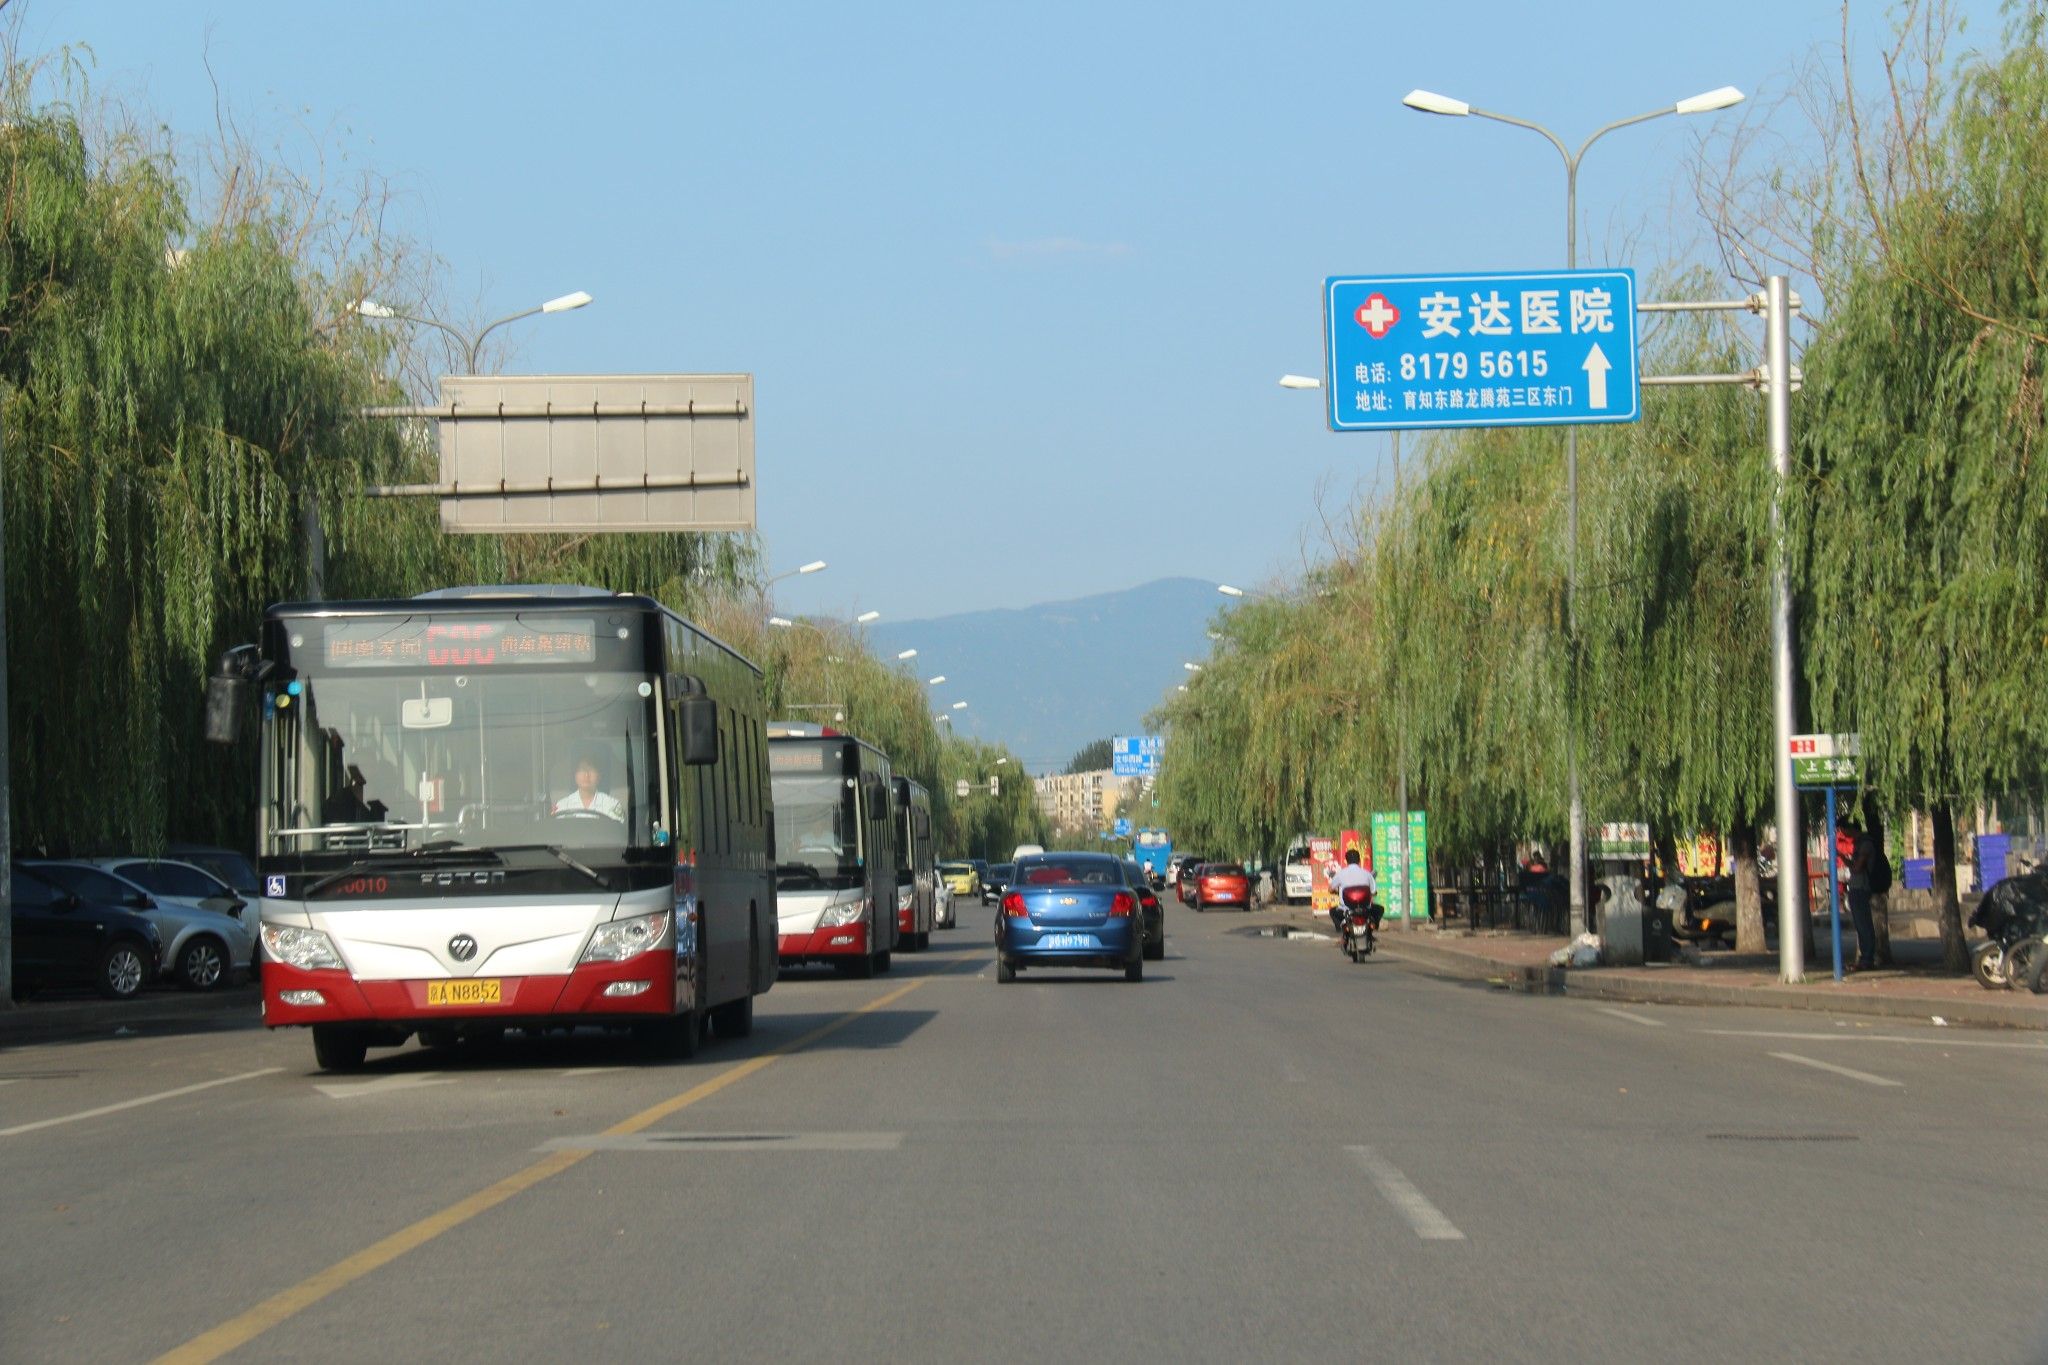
point(1862, 848)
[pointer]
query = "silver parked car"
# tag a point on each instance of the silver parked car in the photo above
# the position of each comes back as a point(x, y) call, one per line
point(207, 936)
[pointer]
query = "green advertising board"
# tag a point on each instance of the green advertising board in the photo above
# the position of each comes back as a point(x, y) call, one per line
point(1404, 897)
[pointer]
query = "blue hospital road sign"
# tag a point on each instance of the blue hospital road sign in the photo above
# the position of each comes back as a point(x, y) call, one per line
point(1135, 755)
point(1548, 348)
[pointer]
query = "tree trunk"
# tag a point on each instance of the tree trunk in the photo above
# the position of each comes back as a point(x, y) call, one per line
point(1880, 906)
point(1749, 891)
point(1666, 844)
point(1948, 907)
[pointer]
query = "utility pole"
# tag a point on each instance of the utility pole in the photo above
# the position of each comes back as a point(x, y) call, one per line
point(6, 792)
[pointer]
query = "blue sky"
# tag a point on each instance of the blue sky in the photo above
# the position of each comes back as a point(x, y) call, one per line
point(1015, 282)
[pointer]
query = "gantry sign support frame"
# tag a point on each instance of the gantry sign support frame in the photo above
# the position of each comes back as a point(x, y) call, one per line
point(1776, 379)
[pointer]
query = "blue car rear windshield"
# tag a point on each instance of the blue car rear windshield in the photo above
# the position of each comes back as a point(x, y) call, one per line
point(1069, 871)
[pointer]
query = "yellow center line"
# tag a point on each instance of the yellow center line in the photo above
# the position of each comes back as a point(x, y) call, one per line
point(238, 1331)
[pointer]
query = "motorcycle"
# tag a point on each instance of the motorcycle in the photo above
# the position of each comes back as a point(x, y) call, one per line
point(2014, 918)
point(1358, 919)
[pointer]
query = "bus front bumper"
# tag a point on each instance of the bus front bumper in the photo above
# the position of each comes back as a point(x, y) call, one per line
point(841, 941)
point(594, 993)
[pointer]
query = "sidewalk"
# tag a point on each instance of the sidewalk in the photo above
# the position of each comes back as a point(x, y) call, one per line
point(86, 1016)
point(1916, 989)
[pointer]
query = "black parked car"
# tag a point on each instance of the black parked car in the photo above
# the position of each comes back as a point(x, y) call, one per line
point(995, 878)
point(1140, 881)
point(63, 938)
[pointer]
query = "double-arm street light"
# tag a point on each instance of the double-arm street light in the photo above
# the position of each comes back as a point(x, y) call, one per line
point(1429, 102)
point(813, 567)
point(472, 345)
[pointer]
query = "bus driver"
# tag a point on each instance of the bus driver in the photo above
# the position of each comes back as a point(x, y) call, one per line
point(587, 797)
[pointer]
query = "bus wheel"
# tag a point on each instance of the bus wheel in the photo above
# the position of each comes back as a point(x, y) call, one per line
point(675, 1038)
point(337, 1048)
point(734, 1019)
point(860, 968)
point(882, 961)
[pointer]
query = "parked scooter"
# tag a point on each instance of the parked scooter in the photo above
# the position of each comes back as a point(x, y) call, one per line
point(2014, 918)
point(1360, 921)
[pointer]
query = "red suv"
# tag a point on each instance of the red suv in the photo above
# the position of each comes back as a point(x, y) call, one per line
point(1222, 884)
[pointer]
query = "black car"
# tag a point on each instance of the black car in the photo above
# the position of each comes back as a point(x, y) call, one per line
point(63, 938)
point(994, 880)
point(1148, 905)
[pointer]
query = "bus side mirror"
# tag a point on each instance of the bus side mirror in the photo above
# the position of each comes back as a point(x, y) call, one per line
point(698, 718)
point(226, 699)
point(227, 692)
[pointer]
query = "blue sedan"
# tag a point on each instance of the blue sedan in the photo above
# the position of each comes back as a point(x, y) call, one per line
point(1069, 910)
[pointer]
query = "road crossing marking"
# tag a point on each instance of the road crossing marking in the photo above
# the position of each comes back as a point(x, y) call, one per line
point(383, 1085)
point(1631, 1017)
point(1863, 1076)
point(137, 1102)
point(727, 1142)
point(1426, 1218)
point(245, 1327)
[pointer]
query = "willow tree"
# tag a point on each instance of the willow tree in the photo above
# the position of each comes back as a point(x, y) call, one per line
point(1480, 676)
point(167, 390)
point(1674, 609)
point(1923, 520)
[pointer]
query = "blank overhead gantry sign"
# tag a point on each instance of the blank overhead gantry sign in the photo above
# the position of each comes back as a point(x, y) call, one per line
point(528, 453)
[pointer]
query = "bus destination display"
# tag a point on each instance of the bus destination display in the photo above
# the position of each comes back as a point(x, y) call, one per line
point(468, 642)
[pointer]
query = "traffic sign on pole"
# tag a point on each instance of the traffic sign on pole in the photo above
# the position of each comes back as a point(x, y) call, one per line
point(1135, 755)
point(1827, 760)
point(1544, 348)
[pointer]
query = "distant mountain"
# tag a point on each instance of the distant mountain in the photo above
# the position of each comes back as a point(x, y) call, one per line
point(1047, 679)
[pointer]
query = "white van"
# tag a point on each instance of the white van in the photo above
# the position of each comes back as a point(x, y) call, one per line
point(1025, 850)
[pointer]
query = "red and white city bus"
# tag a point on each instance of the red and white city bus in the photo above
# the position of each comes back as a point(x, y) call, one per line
point(917, 866)
point(489, 808)
point(835, 849)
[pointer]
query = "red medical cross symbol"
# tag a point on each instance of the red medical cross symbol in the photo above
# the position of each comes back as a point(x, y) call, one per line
point(1377, 316)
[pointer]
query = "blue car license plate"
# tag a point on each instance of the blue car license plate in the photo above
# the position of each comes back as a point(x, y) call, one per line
point(1067, 941)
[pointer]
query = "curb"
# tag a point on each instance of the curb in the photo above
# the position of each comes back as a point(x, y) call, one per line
point(1598, 984)
point(33, 1022)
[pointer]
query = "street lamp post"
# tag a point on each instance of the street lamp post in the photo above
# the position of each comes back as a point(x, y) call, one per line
point(1430, 103)
point(472, 346)
point(813, 567)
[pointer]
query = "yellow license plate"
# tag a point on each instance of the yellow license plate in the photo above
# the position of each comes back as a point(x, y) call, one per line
point(485, 991)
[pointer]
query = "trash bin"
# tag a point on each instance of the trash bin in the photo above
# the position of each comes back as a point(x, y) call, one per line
point(1621, 913)
point(1657, 931)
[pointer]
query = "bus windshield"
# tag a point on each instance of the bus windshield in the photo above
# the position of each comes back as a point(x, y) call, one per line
point(817, 832)
point(400, 760)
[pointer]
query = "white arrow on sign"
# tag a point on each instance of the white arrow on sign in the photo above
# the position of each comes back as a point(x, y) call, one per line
point(1596, 367)
point(349, 1090)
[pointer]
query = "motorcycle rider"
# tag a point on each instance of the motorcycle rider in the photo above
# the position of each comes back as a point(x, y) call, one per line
point(1353, 873)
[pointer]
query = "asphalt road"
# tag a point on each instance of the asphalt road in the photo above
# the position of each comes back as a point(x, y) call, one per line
point(1259, 1152)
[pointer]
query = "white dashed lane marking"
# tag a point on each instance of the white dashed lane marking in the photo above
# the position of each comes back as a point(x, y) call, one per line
point(137, 1103)
point(1863, 1076)
point(1426, 1218)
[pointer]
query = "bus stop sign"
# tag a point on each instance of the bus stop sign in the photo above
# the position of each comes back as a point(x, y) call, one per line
point(1550, 348)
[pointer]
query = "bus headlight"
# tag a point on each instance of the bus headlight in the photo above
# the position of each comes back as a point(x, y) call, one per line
point(624, 938)
point(845, 913)
point(306, 949)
